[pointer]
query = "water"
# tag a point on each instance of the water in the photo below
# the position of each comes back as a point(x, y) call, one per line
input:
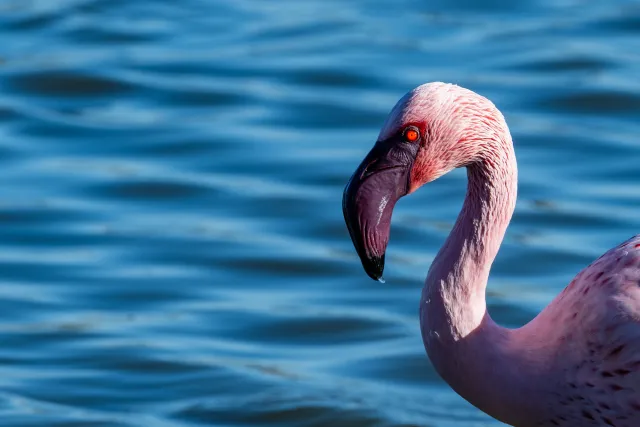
point(172, 248)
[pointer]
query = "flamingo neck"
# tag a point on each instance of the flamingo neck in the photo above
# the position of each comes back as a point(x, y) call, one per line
point(458, 275)
point(479, 359)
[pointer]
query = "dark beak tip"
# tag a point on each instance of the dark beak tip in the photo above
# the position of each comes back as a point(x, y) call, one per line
point(374, 266)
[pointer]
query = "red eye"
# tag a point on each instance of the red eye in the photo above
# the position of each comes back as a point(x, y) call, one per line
point(411, 134)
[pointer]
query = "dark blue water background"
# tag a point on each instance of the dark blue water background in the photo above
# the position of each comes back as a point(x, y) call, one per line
point(172, 248)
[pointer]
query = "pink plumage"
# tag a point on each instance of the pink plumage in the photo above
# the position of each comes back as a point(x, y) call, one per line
point(578, 362)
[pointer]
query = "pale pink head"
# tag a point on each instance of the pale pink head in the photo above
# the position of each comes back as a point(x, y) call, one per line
point(433, 129)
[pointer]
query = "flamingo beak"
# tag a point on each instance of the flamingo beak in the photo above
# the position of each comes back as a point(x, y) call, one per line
point(369, 197)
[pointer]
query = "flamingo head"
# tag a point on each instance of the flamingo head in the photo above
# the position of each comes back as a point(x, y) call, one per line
point(433, 129)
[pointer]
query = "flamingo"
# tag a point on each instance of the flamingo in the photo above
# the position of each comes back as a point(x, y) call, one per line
point(575, 364)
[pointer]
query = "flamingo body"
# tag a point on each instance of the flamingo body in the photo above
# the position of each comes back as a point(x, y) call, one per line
point(592, 334)
point(577, 363)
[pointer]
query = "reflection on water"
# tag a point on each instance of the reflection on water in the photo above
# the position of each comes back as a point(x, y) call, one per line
point(172, 249)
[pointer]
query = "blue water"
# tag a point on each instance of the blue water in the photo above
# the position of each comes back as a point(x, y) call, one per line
point(172, 248)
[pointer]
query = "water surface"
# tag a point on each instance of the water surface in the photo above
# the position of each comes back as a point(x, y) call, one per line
point(172, 248)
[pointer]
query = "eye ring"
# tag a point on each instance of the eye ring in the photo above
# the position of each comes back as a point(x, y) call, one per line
point(411, 134)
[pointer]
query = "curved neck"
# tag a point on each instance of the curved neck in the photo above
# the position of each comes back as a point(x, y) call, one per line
point(479, 359)
point(459, 273)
